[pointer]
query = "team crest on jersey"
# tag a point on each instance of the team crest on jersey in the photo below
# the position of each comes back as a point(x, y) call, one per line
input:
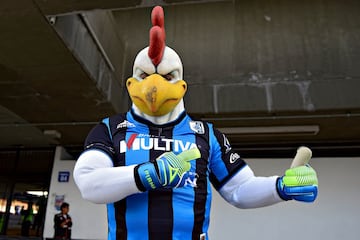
point(197, 127)
point(125, 124)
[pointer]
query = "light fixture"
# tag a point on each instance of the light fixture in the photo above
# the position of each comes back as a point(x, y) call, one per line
point(54, 134)
point(37, 193)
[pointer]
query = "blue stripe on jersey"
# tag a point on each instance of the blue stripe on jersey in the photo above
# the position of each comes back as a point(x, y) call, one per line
point(137, 216)
point(111, 221)
point(110, 206)
point(183, 206)
point(136, 205)
point(207, 209)
point(183, 213)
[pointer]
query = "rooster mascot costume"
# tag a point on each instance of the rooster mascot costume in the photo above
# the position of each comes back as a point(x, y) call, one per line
point(154, 165)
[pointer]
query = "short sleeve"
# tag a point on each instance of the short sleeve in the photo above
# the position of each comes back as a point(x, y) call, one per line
point(99, 138)
point(225, 162)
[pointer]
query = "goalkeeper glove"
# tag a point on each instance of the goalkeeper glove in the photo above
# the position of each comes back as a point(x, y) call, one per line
point(168, 170)
point(299, 183)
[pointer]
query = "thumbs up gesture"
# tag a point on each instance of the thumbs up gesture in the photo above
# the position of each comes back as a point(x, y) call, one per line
point(167, 171)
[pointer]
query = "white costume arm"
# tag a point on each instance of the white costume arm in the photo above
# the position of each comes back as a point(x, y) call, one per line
point(99, 181)
point(245, 190)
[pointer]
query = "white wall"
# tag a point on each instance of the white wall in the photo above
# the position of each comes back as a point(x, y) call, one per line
point(89, 220)
point(335, 214)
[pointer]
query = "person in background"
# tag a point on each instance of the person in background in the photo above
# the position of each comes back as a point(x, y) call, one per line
point(27, 220)
point(40, 216)
point(63, 223)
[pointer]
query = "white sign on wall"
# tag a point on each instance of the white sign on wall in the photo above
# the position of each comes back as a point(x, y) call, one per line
point(89, 220)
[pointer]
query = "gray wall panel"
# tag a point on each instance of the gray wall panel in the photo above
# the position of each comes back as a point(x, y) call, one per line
point(283, 55)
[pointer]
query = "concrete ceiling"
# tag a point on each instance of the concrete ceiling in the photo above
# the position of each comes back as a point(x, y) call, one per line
point(278, 73)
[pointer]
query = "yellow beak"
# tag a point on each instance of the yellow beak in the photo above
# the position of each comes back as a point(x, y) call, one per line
point(154, 95)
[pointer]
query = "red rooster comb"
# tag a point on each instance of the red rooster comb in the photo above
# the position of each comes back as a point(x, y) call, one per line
point(157, 35)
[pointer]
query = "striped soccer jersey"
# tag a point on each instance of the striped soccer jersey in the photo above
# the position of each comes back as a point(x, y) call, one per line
point(180, 213)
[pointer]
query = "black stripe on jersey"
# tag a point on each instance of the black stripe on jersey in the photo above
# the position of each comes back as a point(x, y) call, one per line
point(160, 201)
point(120, 210)
point(201, 140)
point(119, 134)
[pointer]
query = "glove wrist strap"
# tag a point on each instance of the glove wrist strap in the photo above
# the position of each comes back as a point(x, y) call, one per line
point(280, 190)
point(146, 177)
point(138, 182)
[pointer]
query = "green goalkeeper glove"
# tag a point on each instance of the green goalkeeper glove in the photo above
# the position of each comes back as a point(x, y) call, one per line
point(167, 171)
point(299, 183)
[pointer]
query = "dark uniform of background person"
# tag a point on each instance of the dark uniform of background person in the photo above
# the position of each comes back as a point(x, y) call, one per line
point(27, 217)
point(63, 223)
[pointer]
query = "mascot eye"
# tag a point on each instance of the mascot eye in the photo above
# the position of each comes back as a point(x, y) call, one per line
point(168, 76)
point(143, 75)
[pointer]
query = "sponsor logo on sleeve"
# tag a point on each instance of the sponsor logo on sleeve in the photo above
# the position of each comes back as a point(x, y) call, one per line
point(233, 157)
point(125, 124)
point(226, 144)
